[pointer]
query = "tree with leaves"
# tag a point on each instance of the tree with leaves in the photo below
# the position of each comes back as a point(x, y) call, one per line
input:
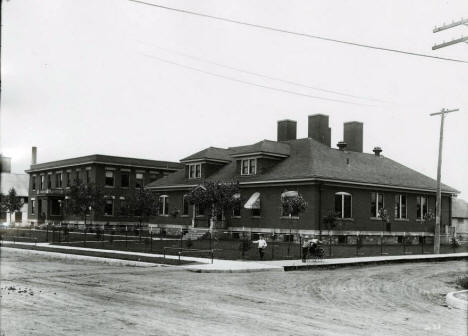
point(82, 198)
point(218, 197)
point(11, 203)
point(142, 203)
point(292, 206)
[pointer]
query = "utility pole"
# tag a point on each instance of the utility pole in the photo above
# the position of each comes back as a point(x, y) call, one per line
point(448, 26)
point(442, 114)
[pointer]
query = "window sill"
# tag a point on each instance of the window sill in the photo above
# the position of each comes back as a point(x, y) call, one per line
point(236, 217)
point(401, 219)
point(287, 217)
point(106, 186)
point(163, 215)
point(345, 219)
point(375, 218)
point(256, 217)
point(184, 215)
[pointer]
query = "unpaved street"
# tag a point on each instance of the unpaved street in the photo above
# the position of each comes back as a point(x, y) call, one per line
point(50, 296)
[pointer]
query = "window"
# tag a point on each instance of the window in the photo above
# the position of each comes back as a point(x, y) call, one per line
point(164, 205)
point(68, 175)
point(33, 182)
point(58, 180)
point(421, 207)
point(124, 179)
point(236, 210)
point(377, 203)
point(49, 181)
point(400, 206)
point(139, 180)
point(123, 207)
point(185, 206)
point(248, 166)
point(195, 170)
point(199, 210)
point(343, 204)
point(256, 212)
point(56, 207)
point(33, 206)
point(41, 184)
point(109, 178)
point(109, 207)
point(88, 176)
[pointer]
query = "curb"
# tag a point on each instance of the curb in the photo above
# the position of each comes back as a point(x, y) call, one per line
point(455, 302)
point(118, 262)
point(241, 270)
point(306, 267)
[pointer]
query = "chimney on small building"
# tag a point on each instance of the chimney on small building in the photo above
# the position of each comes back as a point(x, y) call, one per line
point(319, 130)
point(377, 150)
point(5, 164)
point(341, 145)
point(287, 130)
point(353, 135)
point(34, 155)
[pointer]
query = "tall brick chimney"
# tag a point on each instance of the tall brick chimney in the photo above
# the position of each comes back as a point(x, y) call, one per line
point(353, 135)
point(287, 130)
point(319, 130)
point(33, 155)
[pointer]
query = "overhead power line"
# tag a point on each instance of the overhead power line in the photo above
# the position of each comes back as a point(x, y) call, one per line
point(362, 45)
point(253, 84)
point(263, 75)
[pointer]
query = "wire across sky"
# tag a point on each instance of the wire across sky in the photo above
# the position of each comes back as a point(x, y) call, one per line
point(306, 35)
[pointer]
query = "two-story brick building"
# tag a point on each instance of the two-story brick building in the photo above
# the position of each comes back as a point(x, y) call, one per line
point(344, 180)
point(115, 176)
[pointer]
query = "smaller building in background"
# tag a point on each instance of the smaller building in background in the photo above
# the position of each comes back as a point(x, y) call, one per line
point(19, 182)
point(460, 218)
point(115, 176)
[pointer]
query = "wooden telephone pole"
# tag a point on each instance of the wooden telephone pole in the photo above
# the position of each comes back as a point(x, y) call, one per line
point(442, 114)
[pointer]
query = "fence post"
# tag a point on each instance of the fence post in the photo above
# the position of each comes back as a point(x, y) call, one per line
point(300, 247)
point(126, 233)
point(329, 244)
point(357, 245)
point(151, 241)
point(381, 243)
point(84, 240)
point(404, 243)
point(47, 233)
point(422, 244)
point(212, 255)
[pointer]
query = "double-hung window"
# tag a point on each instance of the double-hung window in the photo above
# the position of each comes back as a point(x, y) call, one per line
point(109, 178)
point(248, 166)
point(164, 205)
point(421, 207)
point(194, 170)
point(377, 204)
point(42, 182)
point(58, 180)
point(109, 207)
point(139, 180)
point(33, 182)
point(400, 206)
point(124, 179)
point(343, 204)
point(185, 206)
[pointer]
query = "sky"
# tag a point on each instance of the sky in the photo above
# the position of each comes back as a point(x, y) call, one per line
point(120, 78)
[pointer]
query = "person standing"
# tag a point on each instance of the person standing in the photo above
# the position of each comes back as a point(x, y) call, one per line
point(305, 248)
point(262, 244)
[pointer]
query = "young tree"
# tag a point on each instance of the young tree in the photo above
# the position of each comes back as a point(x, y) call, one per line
point(216, 196)
point(292, 206)
point(82, 198)
point(11, 202)
point(143, 203)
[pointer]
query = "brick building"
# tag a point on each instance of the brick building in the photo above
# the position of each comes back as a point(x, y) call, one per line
point(115, 176)
point(19, 182)
point(342, 180)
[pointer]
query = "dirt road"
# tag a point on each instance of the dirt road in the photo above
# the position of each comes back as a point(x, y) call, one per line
point(51, 296)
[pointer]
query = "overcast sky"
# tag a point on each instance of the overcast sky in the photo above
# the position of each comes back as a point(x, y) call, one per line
point(92, 76)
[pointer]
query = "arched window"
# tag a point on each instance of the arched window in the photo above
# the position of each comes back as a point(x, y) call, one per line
point(343, 204)
point(164, 205)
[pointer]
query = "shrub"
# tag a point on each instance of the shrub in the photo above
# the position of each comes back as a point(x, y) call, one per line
point(454, 243)
point(462, 282)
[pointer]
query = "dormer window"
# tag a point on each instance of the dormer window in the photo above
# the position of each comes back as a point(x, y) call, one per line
point(248, 166)
point(194, 170)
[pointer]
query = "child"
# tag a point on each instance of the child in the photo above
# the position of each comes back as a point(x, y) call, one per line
point(262, 244)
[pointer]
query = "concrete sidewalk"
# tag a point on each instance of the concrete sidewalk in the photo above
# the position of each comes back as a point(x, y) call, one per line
point(204, 265)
